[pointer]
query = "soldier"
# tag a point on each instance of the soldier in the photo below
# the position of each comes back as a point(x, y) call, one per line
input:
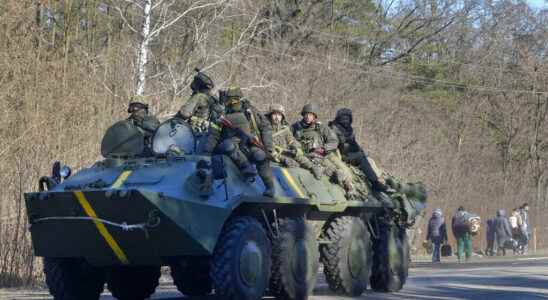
point(320, 145)
point(202, 107)
point(245, 136)
point(351, 151)
point(287, 150)
point(146, 123)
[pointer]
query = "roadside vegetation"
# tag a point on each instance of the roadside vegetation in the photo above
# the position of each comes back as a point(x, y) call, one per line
point(450, 92)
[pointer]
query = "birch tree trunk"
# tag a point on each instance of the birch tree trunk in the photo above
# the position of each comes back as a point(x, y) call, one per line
point(142, 56)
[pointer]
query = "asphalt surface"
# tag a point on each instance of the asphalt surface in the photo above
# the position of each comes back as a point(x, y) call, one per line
point(501, 279)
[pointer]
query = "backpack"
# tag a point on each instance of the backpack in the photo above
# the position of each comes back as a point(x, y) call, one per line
point(460, 220)
point(468, 222)
point(446, 250)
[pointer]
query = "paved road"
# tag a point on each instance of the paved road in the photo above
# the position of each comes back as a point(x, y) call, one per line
point(521, 278)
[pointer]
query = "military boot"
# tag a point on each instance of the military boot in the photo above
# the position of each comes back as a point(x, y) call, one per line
point(249, 172)
point(269, 188)
point(349, 188)
point(317, 171)
point(265, 171)
point(306, 163)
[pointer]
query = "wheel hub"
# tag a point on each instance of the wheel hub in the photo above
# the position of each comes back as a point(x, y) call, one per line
point(356, 257)
point(251, 263)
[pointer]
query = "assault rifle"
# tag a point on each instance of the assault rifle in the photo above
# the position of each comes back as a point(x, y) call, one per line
point(252, 139)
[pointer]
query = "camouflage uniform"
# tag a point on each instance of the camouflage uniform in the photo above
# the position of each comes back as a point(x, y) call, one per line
point(287, 151)
point(320, 145)
point(146, 123)
point(236, 139)
point(351, 152)
point(202, 107)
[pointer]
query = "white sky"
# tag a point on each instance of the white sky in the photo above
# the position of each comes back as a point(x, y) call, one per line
point(538, 3)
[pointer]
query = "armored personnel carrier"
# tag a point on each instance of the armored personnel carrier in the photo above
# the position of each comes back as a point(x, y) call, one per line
point(120, 220)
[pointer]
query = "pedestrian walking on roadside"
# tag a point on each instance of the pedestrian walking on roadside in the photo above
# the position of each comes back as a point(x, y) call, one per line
point(490, 236)
point(461, 231)
point(525, 233)
point(503, 232)
point(437, 233)
point(516, 224)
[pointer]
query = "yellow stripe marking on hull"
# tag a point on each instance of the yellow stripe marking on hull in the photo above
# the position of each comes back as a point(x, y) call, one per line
point(101, 227)
point(121, 179)
point(292, 183)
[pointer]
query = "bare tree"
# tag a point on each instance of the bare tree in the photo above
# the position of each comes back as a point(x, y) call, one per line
point(157, 16)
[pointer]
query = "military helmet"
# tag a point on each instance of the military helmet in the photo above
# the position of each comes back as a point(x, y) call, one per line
point(344, 112)
point(234, 92)
point(310, 108)
point(201, 81)
point(135, 106)
point(232, 99)
point(276, 108)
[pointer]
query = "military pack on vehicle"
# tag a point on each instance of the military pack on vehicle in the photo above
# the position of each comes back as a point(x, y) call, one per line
point(120, 220)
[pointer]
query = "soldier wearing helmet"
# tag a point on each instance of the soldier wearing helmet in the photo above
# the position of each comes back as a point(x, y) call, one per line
point(287, 151)
point(245, 135)
point(351, 152)
point(146, 123)
point(320, 145)
point(202, 107)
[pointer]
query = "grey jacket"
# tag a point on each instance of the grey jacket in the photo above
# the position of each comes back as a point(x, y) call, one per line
point(503, 231)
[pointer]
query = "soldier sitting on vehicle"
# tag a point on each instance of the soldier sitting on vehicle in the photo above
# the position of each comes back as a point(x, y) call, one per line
point(320, 145)
point(351, 152)
point(245, 136)
point(146, 123)
point(202, 107)
point(287, 151)
point(131, 137)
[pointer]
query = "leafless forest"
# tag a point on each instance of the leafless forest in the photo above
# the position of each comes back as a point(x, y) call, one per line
point(450, 92)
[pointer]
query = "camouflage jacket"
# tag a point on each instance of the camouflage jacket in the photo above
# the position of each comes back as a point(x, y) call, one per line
point(199, 105)
point(249, 120)
point(283, 138)
point(146, 123)
point(315, 136)
point(346, 138)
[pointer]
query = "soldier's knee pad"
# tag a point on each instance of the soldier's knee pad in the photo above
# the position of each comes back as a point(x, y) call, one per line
point(257, 155)
point(228, 146)
point(341, 175)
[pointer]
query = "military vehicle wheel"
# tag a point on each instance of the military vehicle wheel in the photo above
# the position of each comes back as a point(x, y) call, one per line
point(347, 258)
point(240, 267)
point(72, 279)
point(295, 260)
point(390, 260)
point(192, 277)
point(133, 283)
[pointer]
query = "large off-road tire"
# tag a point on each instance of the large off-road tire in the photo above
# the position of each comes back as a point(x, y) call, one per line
point(347, 258)
point(133, 283)
point(192, 277)
point(240, 268)
point(73, 279)
point(390, 259)
point(295, 260)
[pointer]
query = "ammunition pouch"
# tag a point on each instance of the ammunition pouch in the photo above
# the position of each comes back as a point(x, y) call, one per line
point(199, 125)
